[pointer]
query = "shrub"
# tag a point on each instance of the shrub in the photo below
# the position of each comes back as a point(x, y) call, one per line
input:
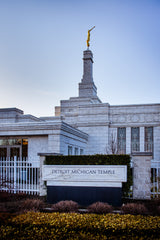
point(76, 226)
point(14, 197)
point(158, 210)
point(4, 197)
point(134, 208)
point(31, 205)
point(100, 207)
point(4, 217)
point(65, 206)
point(152, 206)
point(19, 196)
point(2, 208)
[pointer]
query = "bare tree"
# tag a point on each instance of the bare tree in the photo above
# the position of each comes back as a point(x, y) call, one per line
point(112, 147)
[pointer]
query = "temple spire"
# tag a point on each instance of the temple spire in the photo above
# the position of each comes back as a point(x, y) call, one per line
point(87, 87)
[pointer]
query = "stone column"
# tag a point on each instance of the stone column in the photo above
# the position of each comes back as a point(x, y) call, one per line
point(42, 186)
point(142, 175)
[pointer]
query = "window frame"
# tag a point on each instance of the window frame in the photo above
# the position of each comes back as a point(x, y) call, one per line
point(145, 142)
point(70, 150)
point(119, 143)
point(137, 148)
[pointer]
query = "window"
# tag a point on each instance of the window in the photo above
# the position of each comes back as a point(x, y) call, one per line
point(135, 145)
point(10, 141)
point(24, 147)
point(3, 153)
point(76, 151)
point(10, 147)
point(69, 150)
point(148, 139)
point(81, 151)
point(121, 140)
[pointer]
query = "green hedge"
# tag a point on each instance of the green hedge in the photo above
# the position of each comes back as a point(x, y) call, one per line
point(97, 159)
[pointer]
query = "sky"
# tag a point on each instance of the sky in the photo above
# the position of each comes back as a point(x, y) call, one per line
point(42, 44)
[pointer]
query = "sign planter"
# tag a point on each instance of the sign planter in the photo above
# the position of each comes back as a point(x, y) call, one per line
point(85, 184)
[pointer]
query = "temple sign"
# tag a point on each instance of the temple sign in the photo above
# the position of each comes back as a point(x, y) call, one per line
point(88, 38)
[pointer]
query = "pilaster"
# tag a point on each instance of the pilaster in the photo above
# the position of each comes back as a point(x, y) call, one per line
point(141, 175)
point(128, 140)
point(141, 139)
point(42, 186)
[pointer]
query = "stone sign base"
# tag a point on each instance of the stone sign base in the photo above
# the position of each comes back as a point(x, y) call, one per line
point(85, 184)
point(85, 195)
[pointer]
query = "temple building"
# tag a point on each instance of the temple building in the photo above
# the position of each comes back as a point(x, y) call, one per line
point(82, 125)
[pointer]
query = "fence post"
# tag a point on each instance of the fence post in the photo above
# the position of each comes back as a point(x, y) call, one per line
point(141, 175)
point(15, 173)
point(42, 187)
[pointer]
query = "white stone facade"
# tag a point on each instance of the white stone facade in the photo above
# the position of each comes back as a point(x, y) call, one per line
point(43, 135)
point(101, 120)
point(85, 125)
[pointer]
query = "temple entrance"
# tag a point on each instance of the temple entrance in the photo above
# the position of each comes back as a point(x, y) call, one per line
point(13, 147)
point(15, 152)
point(9, 171)
point(9, 152)
point(17, 174)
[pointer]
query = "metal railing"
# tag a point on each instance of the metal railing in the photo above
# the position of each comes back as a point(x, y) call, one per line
point(155, 179)
point(19, 176)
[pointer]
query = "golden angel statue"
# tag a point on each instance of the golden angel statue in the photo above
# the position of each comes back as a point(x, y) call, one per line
point(88, 38)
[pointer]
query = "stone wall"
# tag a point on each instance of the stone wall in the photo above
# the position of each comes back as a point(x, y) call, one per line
point(142, 175)
point(98, 120)
point(36, 144)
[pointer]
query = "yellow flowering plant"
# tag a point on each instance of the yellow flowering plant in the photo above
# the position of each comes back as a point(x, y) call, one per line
point(35, 225)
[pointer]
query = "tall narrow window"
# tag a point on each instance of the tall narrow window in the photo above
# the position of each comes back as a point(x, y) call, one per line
point(24, 148)
point(148, 139)
point(81, 152)
point(121, 140)
point(69, 150)
point(76, 151)
point(135, 144)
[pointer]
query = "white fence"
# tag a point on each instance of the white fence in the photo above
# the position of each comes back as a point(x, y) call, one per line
point(18, 175)
point(155, 179)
